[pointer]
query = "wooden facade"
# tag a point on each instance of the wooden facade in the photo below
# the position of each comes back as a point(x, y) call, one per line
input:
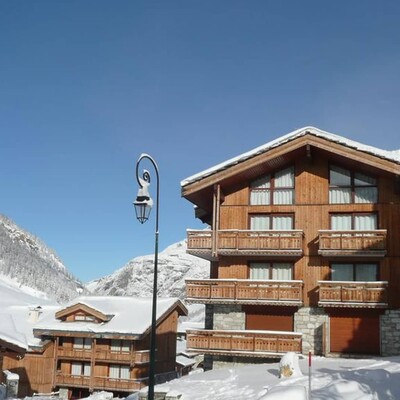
point(86, 360)
point(312, 247)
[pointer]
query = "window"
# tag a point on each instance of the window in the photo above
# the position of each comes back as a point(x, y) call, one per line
point(118, 346)
point(358, 222)
point(119, 372)
point(82, 343)
point(275, 271)
point(262, 222)
point(363, 272)
point(84, 317)
point(351, 187)
point(79, 368)
point(275, 188)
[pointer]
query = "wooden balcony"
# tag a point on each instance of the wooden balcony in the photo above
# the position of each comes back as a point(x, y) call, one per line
point(353, 294)
point(104, 383)
point(117, 384)
point(245, 242)
point(72, 380)
point(352, 243)
point(138, 357)
point(244, 291)
point(243, 343)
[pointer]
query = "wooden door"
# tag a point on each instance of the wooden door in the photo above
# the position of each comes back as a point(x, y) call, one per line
point(355, 332)
point(269, 318)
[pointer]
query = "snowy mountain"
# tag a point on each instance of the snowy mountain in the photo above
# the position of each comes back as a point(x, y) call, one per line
point(136, 277)
point(27, 261)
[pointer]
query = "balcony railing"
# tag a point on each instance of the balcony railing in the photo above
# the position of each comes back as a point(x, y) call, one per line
point(243, 343)
point(98, 382)
point(116, 384)
point(72, 380)
point(357, 243)
point(245, 242)
point(74, 353)
point(244, 291)
point(353, 294)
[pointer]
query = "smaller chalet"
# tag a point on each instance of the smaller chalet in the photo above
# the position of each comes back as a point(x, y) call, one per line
point(103, 343)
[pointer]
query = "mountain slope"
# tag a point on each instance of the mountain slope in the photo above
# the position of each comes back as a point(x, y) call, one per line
point(28, 261)
point(136, 277)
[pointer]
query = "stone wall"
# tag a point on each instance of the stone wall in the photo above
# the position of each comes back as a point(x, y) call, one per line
point(309, 321)
point(229, 317)
point(390, 333)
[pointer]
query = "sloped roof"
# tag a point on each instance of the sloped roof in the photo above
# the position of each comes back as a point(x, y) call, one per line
point(393, 156)
point(10, 336)
point(130, 315)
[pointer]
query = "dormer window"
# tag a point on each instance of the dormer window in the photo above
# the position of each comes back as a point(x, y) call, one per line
point(84, 317)
point(347, 187)
point(277, 188)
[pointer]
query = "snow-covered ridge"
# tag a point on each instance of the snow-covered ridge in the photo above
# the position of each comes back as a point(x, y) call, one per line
point(136, 277)
point(393, 155)
point(26, 260)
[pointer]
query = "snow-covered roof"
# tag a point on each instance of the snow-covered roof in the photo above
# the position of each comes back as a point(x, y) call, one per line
point(386, 154)
point(10, 334)
point(129, 315)
point(185, 361)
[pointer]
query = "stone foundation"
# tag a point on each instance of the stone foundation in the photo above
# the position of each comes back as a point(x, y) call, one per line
point(309, 321)
point(390, 333)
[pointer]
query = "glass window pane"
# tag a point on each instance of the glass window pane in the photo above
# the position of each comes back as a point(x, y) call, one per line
point(258, 198)
point(125, 346)
point(365, 222)
point(339, 176)
point(283, 196)
point(342, 272)
point(341, 222)
point(113, 371)
point(339, 195)
point(87, 344)
point(78, 343)
point(284, 178)
point(366, 272)
point(125, 372)
point(76, 368)
point(86, 369)
point(259, 271)
point(363, 180)
point(262, 183)
point(284, 222)
point(115, 345)
point(260, 222)
point(366, 195)
point(282, 271)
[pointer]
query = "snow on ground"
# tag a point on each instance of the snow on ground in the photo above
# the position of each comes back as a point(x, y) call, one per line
point(332, 379)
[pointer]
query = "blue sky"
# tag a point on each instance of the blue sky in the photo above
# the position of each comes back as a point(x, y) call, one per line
point(86, 86)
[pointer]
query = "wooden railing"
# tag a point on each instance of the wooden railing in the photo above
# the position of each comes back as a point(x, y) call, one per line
point(352, 242)
point(237, 242)
point(118, 384)
point(353, 294)
point(73, 380)
point(138, 357)
point(74, 353)
point(244, 291)
point(245, 343)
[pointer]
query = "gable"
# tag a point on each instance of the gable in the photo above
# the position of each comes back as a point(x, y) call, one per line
point(82, 312)
point(282, 152)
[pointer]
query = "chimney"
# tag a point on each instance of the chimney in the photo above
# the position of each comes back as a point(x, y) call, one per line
point(34, 314)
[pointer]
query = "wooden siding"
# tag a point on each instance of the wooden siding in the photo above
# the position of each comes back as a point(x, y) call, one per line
point(208, 291)
point(35, 370)
point(244, 343)
point(352, 243)
point(353, 294)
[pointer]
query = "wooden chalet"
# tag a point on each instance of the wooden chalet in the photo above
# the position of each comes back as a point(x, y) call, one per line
point(303, 246)
point(100, 343)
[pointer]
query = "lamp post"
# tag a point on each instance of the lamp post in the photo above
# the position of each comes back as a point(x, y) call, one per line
point(143, 205)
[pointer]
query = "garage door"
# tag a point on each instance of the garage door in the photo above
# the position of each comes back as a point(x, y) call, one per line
point(269, 318)
point(355, 333)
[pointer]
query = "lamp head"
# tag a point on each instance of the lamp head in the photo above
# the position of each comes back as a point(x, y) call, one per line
point(143, 203)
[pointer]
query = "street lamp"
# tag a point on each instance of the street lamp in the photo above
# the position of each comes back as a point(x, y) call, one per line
point(143, 205)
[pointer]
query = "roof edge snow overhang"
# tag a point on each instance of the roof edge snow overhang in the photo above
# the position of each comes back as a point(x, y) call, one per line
point(388, 161)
